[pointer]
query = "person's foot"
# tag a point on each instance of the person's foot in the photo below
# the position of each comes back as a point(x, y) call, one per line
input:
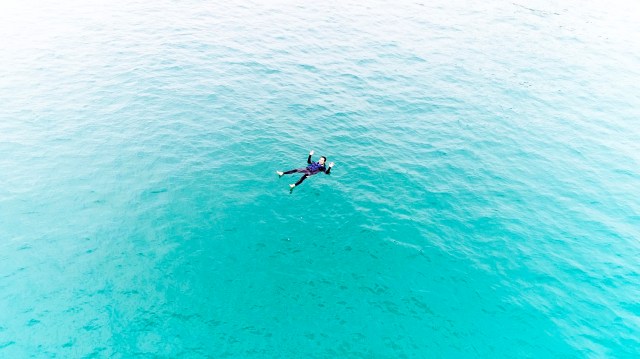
point(280, 173)
point(292, 185)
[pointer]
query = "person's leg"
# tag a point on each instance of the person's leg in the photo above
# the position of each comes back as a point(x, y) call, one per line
point(307, 173)
point(304, 177)
point(297, 170)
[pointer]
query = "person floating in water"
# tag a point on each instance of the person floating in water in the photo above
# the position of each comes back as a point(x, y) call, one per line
point(310, 170)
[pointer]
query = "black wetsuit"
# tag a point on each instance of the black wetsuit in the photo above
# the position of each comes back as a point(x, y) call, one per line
point(310, 170)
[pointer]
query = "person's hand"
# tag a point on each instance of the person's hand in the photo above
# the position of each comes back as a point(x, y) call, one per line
point(311, 153)
point(330, 164)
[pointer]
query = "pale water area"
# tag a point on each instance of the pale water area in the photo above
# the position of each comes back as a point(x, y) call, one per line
point(485, 201)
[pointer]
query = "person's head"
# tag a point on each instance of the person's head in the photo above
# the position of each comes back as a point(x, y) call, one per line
point(323, 159)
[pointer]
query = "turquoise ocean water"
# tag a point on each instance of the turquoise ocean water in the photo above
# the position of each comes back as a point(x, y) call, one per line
point(485, 200)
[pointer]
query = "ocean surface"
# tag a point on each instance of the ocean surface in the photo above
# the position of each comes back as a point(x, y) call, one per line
point(485, 201)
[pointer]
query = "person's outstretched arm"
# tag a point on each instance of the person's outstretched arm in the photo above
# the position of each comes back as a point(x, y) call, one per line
point(328, 170)
point(309, 159)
